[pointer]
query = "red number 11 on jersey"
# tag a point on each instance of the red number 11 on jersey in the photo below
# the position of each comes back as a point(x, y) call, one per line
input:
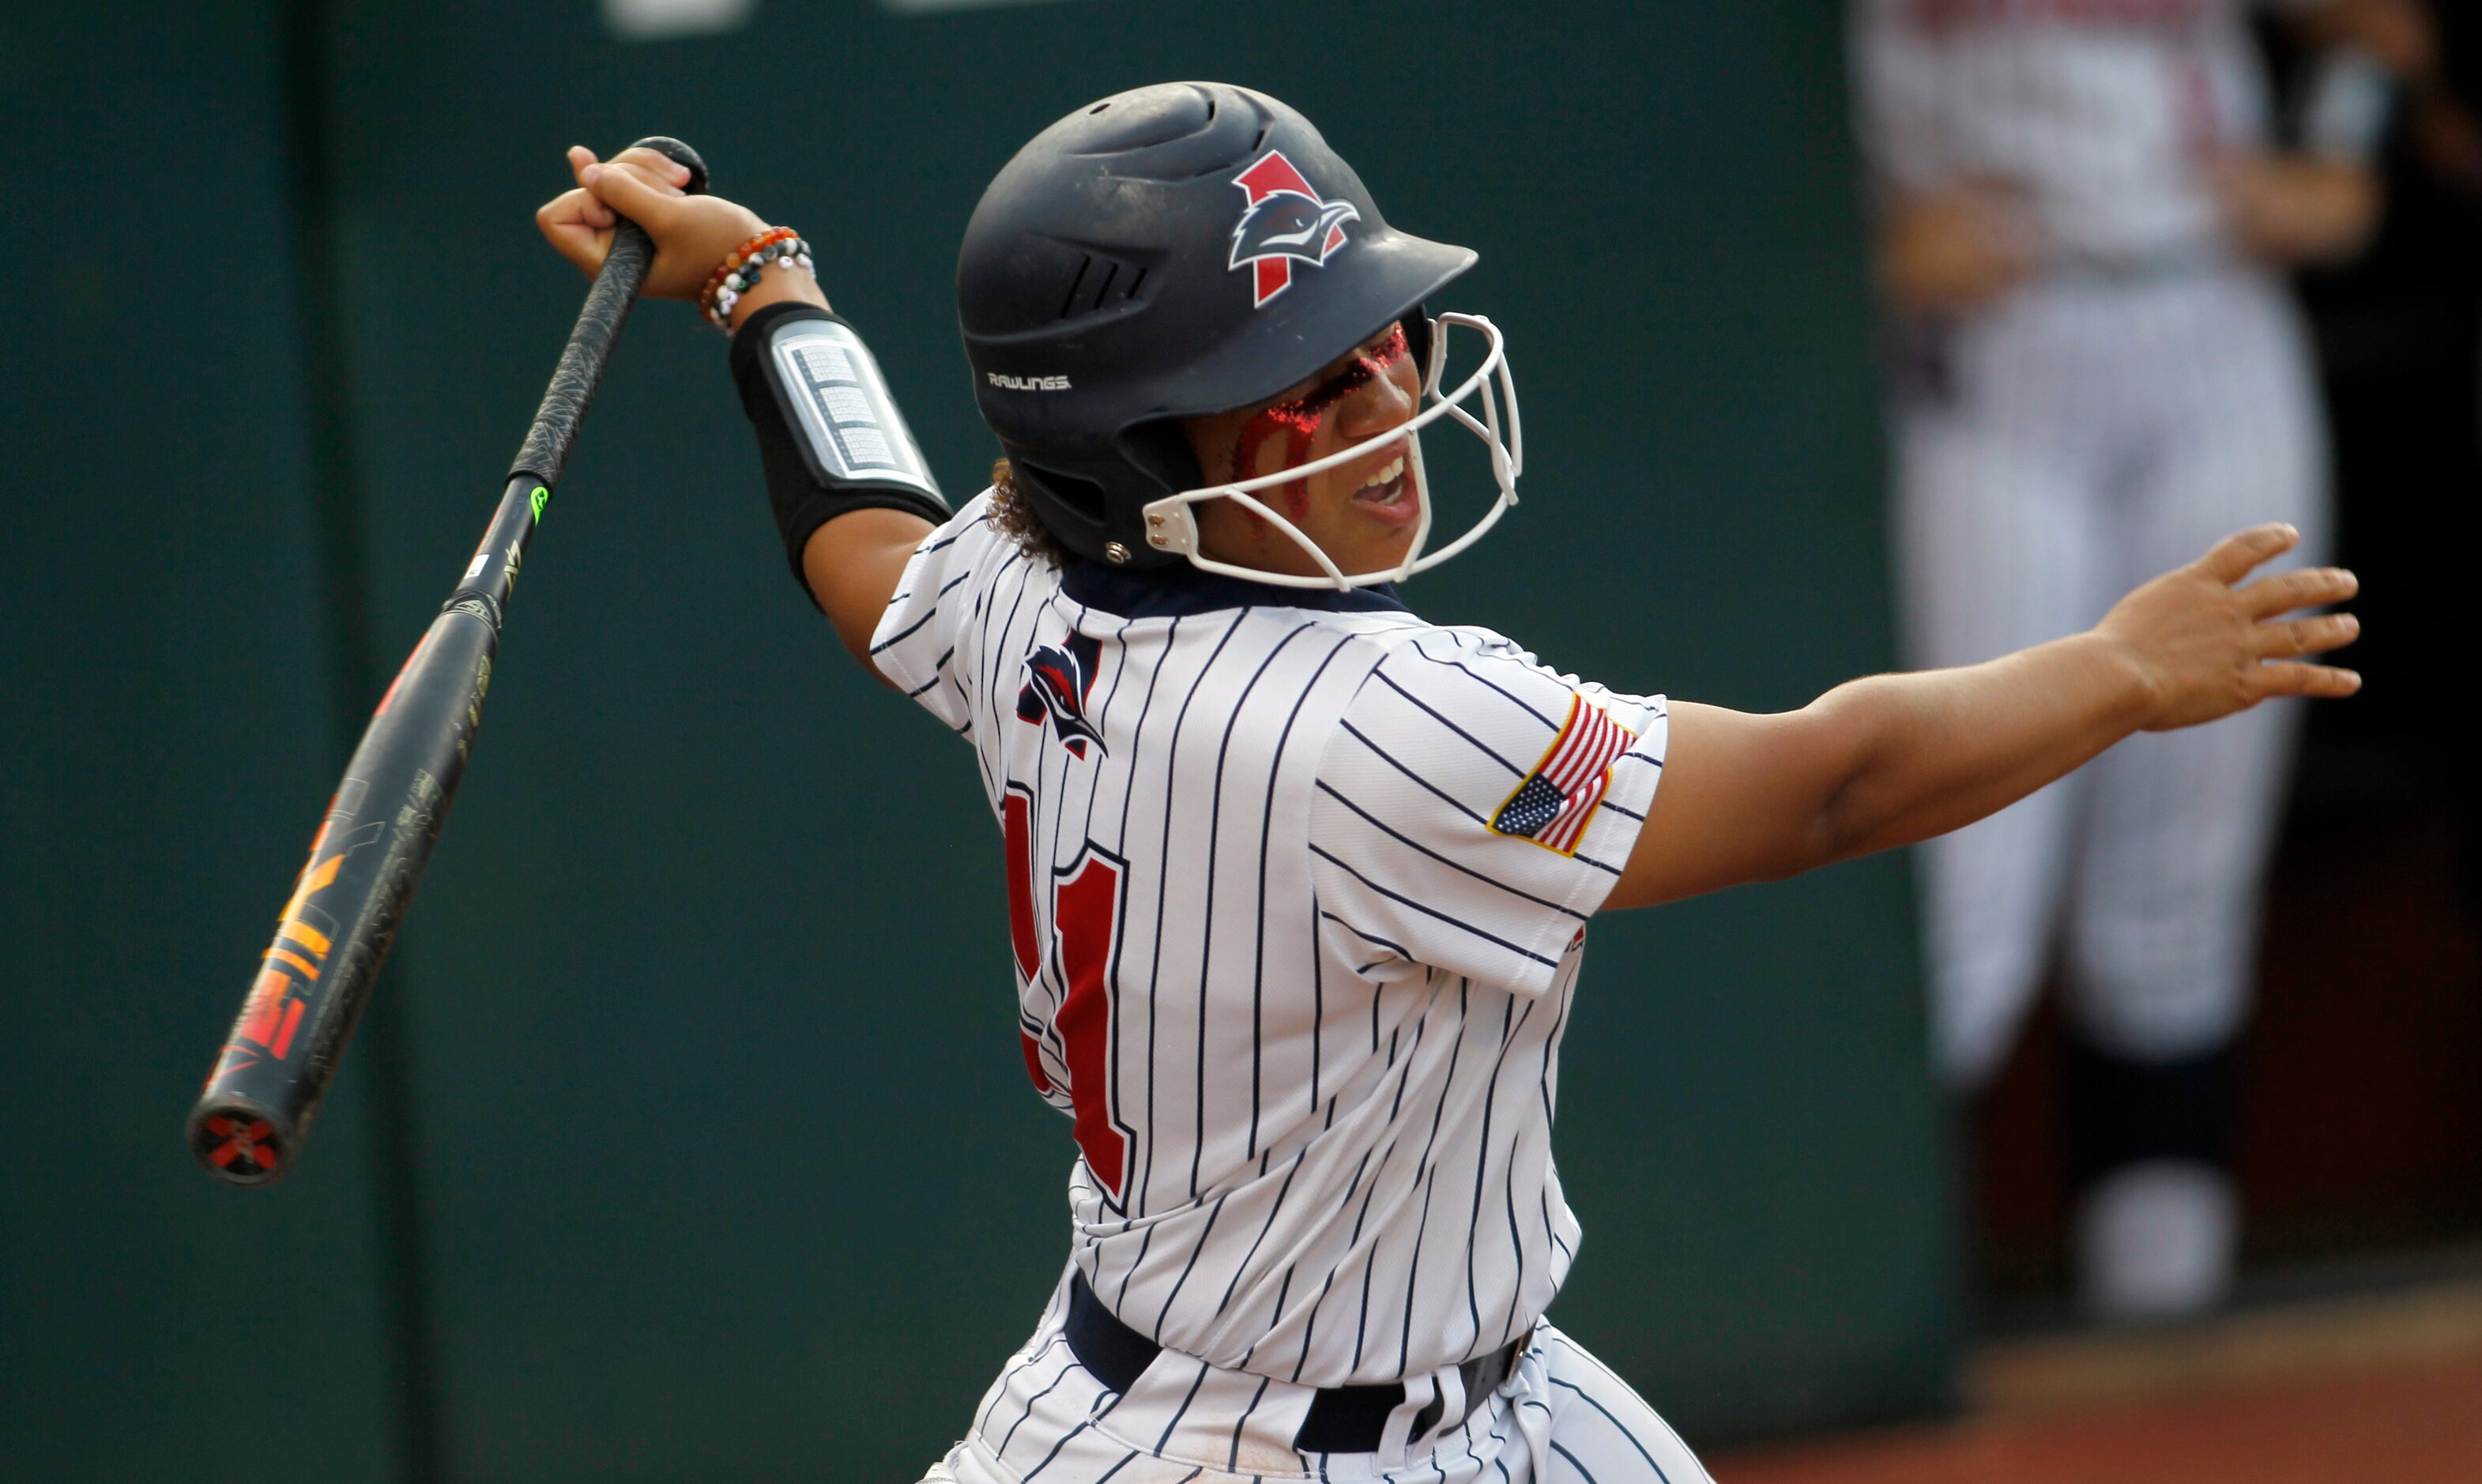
point(1085, 930)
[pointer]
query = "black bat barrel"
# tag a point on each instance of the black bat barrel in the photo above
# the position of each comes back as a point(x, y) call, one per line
point(335, 932)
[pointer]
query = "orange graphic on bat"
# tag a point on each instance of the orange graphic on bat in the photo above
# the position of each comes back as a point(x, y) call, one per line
point(273, 1014)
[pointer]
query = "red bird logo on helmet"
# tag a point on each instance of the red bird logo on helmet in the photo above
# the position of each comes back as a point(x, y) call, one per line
point(1284, 221)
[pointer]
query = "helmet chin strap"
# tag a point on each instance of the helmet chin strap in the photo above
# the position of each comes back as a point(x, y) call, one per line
point(1172, 525)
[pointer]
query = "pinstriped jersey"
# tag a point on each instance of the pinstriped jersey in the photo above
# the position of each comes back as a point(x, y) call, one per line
point(2108, 114)
point(1298, 889)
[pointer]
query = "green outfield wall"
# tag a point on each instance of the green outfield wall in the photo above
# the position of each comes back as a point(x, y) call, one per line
point(691, 1140)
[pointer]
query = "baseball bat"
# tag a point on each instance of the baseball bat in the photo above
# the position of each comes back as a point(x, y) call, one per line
point(251, 1119)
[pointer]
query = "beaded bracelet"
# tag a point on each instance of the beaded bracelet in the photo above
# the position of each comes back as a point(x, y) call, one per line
point(741, 269)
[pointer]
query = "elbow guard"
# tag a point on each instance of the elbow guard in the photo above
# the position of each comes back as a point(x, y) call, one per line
point(829, 436)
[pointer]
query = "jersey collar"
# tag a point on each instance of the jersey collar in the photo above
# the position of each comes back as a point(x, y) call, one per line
point(1173, 591)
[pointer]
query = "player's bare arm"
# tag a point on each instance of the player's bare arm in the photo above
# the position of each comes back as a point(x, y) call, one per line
point(2399, 35)
point(2297, 210)
point(851, 564)
point(1897, 758)
point(2402, 37)
point(2320, 205)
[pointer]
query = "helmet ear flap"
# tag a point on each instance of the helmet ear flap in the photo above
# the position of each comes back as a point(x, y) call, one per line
point(1080, 514)
point(1073, 507)
point(1162, 449)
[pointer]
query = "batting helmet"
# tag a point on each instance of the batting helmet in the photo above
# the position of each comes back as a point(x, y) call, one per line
point(1179, 251)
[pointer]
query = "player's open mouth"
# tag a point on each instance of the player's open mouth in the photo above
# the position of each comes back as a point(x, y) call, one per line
point(1389, 495)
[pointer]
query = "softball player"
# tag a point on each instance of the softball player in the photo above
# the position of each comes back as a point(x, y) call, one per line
point(1299, 882)
point(2098, 369)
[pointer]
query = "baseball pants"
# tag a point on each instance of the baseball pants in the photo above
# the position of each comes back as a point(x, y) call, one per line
point(2077, 440)
point(1562, 1418)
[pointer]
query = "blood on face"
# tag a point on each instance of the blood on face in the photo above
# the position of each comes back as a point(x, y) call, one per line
point(1298, 419)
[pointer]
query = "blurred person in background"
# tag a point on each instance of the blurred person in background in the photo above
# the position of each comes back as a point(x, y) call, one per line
point(2083, 217)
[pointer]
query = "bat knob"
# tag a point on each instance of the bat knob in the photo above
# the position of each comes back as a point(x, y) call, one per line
point(240, 1141)
point(678, 153)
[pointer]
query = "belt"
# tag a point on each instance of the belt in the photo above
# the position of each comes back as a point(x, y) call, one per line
point(1341, 1418)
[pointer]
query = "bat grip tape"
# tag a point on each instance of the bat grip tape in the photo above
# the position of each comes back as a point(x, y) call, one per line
point(544, 454)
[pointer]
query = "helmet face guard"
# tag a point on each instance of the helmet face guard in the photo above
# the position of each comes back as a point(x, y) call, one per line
point(1172, 527)
point(1178, 251)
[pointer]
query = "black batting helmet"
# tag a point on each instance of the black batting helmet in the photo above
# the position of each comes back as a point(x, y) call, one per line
point(1167, 252)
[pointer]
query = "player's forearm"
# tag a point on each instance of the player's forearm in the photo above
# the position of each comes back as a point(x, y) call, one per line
point(1934, 750)
point(2301, 210)
point(2399, 35)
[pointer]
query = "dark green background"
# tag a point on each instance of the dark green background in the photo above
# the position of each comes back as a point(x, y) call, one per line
point(689, 1139)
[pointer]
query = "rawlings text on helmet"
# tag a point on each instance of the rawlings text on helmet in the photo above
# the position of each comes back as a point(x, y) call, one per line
point(1285, 220)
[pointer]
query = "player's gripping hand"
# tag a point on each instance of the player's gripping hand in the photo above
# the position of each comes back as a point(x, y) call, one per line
point(2208, 644)
point(691, 234)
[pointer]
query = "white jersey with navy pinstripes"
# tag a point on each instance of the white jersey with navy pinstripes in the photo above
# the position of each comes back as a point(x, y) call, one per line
point(1298, 891)
point(2107, 115)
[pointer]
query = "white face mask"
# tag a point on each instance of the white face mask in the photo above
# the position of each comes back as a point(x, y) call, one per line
point(1172, 527)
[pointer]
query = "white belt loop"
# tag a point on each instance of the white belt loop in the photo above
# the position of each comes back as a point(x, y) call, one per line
point(1419, 1392)
point(1452, 1399)
point(1530, 1408)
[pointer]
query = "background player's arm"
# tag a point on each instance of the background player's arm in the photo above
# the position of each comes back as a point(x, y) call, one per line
point(2399, 35)
point(2319, 204)
point(1947, 241)
point(2298, 210)
point(853, 562)
point(1897, 758)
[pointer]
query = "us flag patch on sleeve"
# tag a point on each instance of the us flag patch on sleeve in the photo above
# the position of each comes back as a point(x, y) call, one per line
point(1552, 803)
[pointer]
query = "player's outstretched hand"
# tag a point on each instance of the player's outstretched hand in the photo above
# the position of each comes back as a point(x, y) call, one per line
point(692, 233)
point(2209, 645)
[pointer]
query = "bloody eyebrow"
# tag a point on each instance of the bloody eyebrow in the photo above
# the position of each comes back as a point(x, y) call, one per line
point(1367, 362)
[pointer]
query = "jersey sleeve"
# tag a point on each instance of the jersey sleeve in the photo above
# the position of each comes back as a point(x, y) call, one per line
point(1474, 808)
point(924, 642)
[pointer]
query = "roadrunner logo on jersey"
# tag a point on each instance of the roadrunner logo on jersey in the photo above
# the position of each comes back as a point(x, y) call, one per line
point(1552, 805)
point(1057, 681)
point(1284, 221)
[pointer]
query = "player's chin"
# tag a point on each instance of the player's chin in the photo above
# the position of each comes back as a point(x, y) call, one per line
point(1379, 556)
